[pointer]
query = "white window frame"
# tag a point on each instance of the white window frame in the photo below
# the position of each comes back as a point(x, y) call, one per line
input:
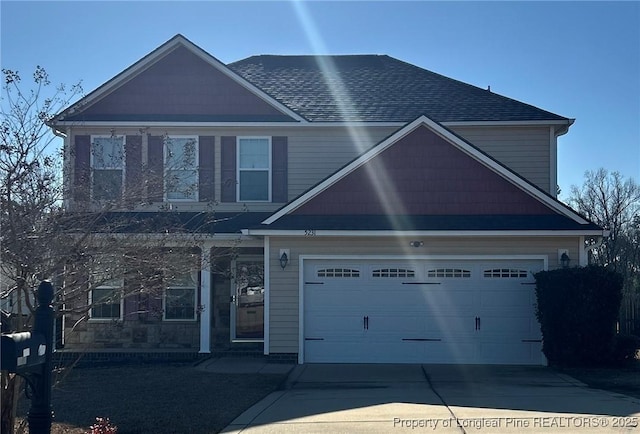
point(170, 286)
point(116, 285)
point(269, 169)
point(92, 162)
point(196, 167)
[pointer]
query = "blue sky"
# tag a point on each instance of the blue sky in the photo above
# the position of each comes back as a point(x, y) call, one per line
point(577, 59)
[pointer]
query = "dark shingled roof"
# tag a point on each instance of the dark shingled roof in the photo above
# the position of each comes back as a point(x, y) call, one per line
point(376, 88)
point(429, 223)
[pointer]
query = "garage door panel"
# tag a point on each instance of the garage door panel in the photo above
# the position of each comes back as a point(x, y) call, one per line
point(506, 298)
point(333, 325)
point(506, 325)
point(426, 312)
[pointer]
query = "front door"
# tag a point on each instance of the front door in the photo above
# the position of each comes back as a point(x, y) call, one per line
point(247, 300)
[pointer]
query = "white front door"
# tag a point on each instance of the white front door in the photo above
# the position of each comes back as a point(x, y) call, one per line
point(421, 311)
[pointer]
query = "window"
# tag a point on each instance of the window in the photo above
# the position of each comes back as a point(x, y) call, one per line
point(181, 167)
point(338, 272)
point(449, 272)
point(106, 303)
point(106, 296)
point(254, 169)
point(180, 298)
point(506, 273)
point(107, 162)
point(393, 272)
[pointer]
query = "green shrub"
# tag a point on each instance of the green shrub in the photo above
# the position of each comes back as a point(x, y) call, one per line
point(578, 309)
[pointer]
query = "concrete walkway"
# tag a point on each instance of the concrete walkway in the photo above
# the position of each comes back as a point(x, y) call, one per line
point(443, 399)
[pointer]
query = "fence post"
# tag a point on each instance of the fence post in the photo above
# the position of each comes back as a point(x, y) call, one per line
point(41, 411)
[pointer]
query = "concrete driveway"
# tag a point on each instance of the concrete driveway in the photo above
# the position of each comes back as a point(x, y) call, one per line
point(354, 398)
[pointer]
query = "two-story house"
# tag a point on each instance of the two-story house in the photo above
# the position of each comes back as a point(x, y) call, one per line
point(377, 211)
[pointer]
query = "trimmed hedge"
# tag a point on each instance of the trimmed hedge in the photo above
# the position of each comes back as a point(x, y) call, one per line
point(578, 309)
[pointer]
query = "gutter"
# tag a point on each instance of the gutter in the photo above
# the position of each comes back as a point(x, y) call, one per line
point(57, 132)
point(564, 128)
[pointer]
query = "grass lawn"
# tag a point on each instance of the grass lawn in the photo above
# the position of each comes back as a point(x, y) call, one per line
point(153, 398)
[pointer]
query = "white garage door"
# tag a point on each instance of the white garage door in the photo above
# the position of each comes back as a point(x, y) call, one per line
point(425, 311)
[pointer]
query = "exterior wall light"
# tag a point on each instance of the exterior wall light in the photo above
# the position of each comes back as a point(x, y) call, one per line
point(284, 258)
point(565, 260)
point(416, 243)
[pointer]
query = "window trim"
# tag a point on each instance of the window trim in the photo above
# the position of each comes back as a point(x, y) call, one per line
point(195, 288)
point(269, 169)
point(112, 288)
point(122, 168)
point(165, 169)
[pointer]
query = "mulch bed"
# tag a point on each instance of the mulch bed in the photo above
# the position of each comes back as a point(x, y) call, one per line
point(155, 398)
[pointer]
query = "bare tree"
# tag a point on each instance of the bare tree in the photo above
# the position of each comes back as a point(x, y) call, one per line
point(612, 202)
point(85, 249)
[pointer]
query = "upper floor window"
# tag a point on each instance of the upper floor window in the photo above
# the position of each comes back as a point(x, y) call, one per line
point(181, 167)
point(254, 169)
point(107, 162)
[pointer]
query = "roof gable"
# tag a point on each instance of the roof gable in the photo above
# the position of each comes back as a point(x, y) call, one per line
point(423, 174)
point(425, 169)
point(178, 82)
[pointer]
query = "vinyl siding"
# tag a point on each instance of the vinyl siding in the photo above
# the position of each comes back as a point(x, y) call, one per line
point(525, 150)
point(317, 152)
point(284, 284)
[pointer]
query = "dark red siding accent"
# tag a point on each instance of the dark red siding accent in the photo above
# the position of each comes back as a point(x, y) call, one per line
point(423, 174)
point(133, 168)
point(228, 162)
point(155, 178)
point(82, 169)
point(181, 83)
point(279, 176)
point(206, 157)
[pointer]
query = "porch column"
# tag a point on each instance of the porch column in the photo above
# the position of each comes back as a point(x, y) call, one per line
point(205, 298)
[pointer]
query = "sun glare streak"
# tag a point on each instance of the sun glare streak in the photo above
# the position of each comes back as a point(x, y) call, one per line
point(384, 187)
point(378, 174)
